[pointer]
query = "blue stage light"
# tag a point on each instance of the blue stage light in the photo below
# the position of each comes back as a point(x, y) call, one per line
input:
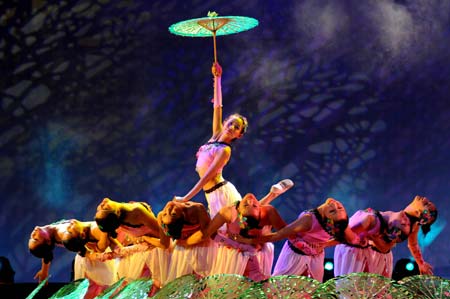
point(329, 266)
point(405, 267)
point(409, 266)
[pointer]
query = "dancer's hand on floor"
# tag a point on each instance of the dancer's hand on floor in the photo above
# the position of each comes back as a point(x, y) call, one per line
point(425, 269)
point(41, 275)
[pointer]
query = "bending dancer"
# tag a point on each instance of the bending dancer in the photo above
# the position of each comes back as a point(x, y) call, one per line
point(422, 213)
point(303, 252)
point(87, 264)
point(133, 218)
point(179, 220)
point(64, 233)
point(127, 221)
point(213, 156)
point(82, 237)
point(246, 219)
point(391, 227)
point(382, 231)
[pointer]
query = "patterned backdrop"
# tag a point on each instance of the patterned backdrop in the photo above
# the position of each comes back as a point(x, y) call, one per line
point(349, 99)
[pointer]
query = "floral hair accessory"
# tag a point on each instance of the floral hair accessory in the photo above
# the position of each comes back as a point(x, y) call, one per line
point(369, 210)
point(165, 229)
point(334, 229)
point(242, 221)
point(329, 226)
point(427, 217)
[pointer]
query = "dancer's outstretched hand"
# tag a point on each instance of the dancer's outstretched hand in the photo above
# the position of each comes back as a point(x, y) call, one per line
point(216, 69)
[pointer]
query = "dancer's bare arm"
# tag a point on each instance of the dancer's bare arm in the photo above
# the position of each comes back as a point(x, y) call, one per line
point(302, 224)
point(43, 272)
point(219, 162)
point(216, 70)
point(223, 216)
point(414, 248)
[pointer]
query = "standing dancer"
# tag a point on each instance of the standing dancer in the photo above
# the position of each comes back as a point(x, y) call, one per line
point(303, 252)
point(213, 156)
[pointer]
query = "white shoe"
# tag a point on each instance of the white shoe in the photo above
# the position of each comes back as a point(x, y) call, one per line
point(282, 186)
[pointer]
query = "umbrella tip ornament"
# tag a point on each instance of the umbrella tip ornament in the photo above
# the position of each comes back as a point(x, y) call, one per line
point(212, 14)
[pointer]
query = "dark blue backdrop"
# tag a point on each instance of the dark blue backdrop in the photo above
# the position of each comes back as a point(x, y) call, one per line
point(349, 99)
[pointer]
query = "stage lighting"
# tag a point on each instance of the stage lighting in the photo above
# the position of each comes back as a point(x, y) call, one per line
point(405, 267)
point(409, 266)
point(328, 265)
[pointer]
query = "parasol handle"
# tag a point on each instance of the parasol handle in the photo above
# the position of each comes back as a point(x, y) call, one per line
point(215, 47)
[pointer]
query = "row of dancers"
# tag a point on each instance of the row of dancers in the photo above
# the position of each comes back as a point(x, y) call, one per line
point(233, 234)
point(126, 239)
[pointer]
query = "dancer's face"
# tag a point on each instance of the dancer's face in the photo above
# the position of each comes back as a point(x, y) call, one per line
point(171, 213)
point(249, 206)
point(37, 237)
point(420, 204)
point(334, 210)
point(233, 127)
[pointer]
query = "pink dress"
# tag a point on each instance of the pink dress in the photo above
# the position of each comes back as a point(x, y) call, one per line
point(304, 254)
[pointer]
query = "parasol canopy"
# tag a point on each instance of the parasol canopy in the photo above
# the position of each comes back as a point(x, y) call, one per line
point(213, 25)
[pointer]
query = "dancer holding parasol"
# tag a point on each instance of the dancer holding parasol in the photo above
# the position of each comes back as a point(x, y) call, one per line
point(213, 156)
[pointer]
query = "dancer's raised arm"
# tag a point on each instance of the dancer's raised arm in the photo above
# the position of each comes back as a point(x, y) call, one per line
point(217, 100)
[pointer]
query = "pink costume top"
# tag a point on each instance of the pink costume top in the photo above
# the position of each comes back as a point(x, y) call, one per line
point(125, 234)
point(361, 214)
point(310, 242)
point(234, 228)
point(61, 227)
point(127, 230)
point(381, 227)
point(206, 154)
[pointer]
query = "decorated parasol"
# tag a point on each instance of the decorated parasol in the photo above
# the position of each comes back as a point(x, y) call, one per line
point(213, 25)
